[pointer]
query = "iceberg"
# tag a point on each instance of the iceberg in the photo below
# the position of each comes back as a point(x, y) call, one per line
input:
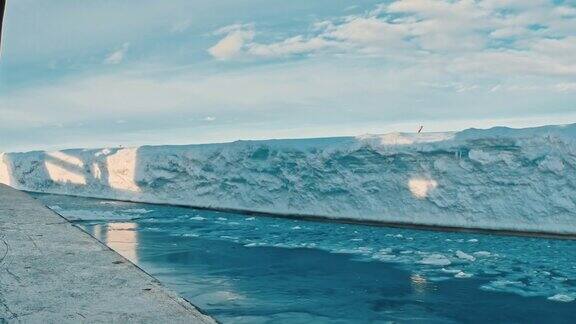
point(496, 179)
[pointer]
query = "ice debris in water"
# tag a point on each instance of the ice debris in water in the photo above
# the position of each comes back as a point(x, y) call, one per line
point(501, 264)
point(436, 259)
point(137, 211)
point(462, 275)
point(465, 256)
point(451, 270)
point(562, 298)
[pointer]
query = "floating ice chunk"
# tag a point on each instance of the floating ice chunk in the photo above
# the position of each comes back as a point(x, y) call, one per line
point(107, 202)
point(296, 227)
point(137, 211)
point(363, 250)
point(341, 251)
point(198, 218)
point(250, 218)
point(562, 298)
point(472, 240)
point(383, 256)
point(491, 272)
point(222, 218)
point(505, 285)
point(451, 270)
point(436, 259)
point(465, 256)
point(482, 254)
point(462, 275)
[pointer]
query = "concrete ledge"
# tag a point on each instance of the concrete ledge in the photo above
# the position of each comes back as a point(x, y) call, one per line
point(53, 272)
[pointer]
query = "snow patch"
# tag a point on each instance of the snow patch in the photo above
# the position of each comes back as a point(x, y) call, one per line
point(421, 187)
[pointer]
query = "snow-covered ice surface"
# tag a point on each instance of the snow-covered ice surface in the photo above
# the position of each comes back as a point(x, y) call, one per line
point(244, 269)
point(500, 178)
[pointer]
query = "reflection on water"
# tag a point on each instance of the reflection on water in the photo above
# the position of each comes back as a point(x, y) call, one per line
point(419, 284)
point(121, 237)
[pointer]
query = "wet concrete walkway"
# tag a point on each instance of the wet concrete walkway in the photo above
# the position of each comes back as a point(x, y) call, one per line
point(53, 272)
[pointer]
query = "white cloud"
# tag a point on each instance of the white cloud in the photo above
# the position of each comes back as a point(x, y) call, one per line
point(117, 56)
point(231, 45)
point(303, 99)
point(485, 37)
point(181, 26)
point(437, 61)
point(566, 87)
point(513, 62)
point(367, 34)
point(495, 88)
point(318, 90)
point(290, 46)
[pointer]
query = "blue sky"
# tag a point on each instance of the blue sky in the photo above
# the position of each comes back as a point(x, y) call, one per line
point(106, 73)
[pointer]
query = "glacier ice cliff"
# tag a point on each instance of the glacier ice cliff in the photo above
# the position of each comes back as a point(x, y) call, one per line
point(499, 178)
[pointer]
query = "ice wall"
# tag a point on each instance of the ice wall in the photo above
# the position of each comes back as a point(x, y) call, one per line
point(501, 178)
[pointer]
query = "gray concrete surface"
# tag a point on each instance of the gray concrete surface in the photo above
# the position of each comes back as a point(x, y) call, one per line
point(53, 272)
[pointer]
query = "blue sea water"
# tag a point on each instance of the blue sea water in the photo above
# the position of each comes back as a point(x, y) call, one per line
point(244, 269)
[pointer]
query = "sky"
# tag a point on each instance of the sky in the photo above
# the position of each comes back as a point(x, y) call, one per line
point(107, 73)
